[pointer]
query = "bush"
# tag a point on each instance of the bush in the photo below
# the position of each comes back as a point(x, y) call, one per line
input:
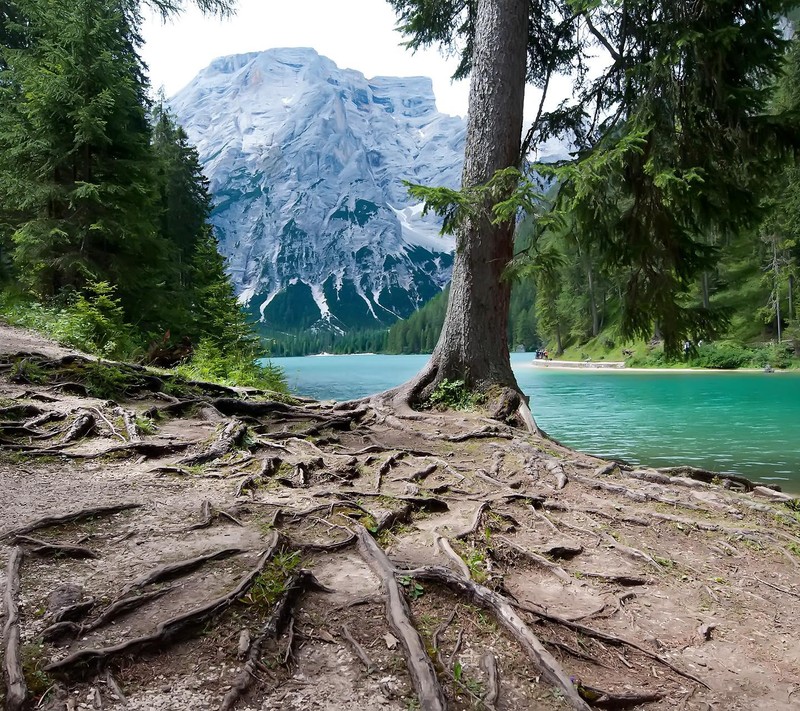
point(723, 355)
point(776, 355)
point(232, 367)
point(454, 395)
point(93, 321)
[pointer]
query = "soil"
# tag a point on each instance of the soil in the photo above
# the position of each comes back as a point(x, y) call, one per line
point(678, 587)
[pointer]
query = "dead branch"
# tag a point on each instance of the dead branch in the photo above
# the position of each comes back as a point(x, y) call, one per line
point(169, 630)
point(295, 586)
point(489, 664)
point(426, 685)
point(81, 515)
point(45, 548)
point(16, 689)
point(511, 621)
point(358, 649)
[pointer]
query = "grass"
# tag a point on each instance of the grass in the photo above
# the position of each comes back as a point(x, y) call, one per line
point(271, 583)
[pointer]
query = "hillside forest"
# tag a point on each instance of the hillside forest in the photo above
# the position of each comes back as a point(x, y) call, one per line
point(105, 241)
point(568, 299)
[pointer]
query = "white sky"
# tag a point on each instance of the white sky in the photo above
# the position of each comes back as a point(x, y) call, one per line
point(355, 34)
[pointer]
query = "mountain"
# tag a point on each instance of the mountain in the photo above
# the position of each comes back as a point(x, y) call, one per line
point(306, 163)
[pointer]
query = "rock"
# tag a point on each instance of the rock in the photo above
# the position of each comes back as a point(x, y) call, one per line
point(64, 596)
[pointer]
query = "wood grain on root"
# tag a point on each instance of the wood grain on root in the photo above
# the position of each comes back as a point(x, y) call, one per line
point(46, 548)
point(294, 587)
point(72, 517)
point(606, 637)
point(16, 689)
point(232, 435)
point(423, 675)
point(169, 630)
point(181, 567)
point(511, 621)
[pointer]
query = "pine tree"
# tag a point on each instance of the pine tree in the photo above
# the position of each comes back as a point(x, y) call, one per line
point(76, 158)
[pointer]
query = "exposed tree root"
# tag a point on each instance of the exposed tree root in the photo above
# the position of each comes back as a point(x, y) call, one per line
point(611, 639)
point(232, 435)
point(16, 689)
point(295, 586)
point(511, 621)
point(73, 517)
point(610, 700)
point(444, 546)
point(181, 567)
point(476, 522)
point(122, 606)
point(537, 559)
point(45, 548)
point(423, 676)
point(358, 650)
point(489, 664)
point(170, 629)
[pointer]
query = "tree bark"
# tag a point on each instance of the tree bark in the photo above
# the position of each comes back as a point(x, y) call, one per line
point(473, 343)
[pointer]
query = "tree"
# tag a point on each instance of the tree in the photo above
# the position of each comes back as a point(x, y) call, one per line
point(76, 152)
point(473, 342)
point(672, 140)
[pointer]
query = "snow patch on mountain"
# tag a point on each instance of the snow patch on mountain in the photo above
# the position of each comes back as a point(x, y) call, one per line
point(308, 165)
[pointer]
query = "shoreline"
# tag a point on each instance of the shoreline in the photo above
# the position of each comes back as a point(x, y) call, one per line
point(619, 366)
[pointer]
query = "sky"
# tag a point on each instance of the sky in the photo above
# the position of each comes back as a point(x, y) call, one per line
point(355, 34)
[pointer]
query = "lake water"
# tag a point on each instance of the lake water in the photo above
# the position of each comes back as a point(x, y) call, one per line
point(746, 423)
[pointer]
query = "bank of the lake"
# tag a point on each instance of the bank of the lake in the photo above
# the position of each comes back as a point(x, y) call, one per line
point(742, 422)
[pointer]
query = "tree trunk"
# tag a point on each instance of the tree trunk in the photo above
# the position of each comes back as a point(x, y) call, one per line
point(473, 342)
point(592, 300)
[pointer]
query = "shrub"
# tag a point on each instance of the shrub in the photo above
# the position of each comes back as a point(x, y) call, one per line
point(232, 367)
point(454, 395)
point(723, 355)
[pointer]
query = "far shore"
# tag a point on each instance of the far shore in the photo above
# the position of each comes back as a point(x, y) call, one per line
point(617, 366)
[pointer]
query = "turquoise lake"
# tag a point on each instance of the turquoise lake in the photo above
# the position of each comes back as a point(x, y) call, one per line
point(747, 423)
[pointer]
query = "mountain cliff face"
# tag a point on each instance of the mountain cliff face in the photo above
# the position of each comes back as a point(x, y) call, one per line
point(306, 162)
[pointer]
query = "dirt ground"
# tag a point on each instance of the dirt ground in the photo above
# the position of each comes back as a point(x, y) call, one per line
point(183, 546)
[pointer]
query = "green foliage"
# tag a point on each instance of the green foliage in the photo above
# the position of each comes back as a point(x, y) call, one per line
point(34, 661)
point(271, 583)
point(413, 588)
point(104, 210)
point(231, 367)
point(454, 395)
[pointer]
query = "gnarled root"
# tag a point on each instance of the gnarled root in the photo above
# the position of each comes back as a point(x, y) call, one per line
point(300, 581)
point(423, 675)
point(16, 690)
point(511, 621)
point(170, 629)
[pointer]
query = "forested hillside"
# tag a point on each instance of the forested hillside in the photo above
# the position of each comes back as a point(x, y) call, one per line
point(105, 240)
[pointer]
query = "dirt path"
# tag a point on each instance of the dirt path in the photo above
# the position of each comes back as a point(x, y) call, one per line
point(269, 554)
